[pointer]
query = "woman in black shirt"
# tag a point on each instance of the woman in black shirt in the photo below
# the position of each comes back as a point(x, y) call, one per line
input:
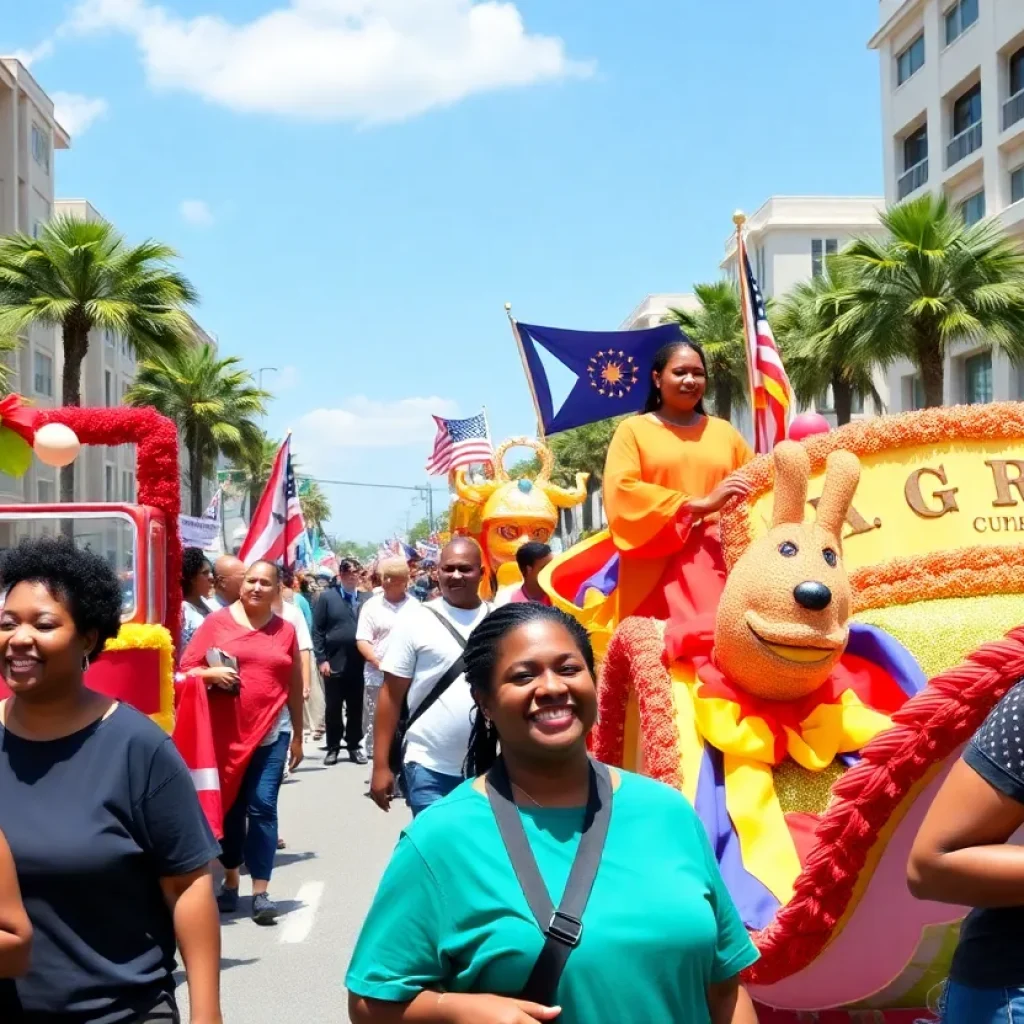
point(962, 855)
point(111, 847)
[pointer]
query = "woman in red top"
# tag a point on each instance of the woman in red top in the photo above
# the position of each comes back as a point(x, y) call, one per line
point(252, 712)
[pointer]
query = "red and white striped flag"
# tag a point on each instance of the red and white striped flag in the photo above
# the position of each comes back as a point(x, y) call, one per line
point(460, 443)
point(277, 528)
point(771, 394)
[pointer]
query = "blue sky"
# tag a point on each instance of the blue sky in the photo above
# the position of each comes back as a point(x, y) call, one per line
point(357, 186)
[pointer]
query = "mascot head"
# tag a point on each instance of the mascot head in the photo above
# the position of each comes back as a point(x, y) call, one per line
point(783, 621)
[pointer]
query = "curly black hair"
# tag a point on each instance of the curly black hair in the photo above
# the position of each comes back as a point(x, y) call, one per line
point(481, 655)
point(82, 580)
point(192, 562)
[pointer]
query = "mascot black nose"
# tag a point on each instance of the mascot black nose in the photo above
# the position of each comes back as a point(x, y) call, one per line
point(814, 596)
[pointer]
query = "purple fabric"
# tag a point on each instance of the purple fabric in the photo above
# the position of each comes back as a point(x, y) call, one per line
point(757, 906)
point(606, 579)
point(875, 645)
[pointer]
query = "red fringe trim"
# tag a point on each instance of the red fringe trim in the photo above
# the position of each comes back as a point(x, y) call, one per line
point(156, 473)
point(926, 730)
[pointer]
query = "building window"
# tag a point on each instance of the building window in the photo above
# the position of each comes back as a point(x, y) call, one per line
point(1017, 185)
point(46, 492)
point(42, 367)
point(973, 208)
point(108, 339)
point(967, 110)
point(109, 483)
point(37, 228)
point(108, 388)
point(915, 148)
point(910, 60)
point(978, 378)
point(760, 267)
point(821, 250)
point(41, 147)
point(960, 17)
point(826, 403)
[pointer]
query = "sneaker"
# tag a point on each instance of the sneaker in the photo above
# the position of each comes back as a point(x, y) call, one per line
point(264, 909)
point(357, 756)
point(331, 758)
point(227, 900)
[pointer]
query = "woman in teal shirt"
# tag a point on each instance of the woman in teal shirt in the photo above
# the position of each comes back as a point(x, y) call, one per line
point(451, 939)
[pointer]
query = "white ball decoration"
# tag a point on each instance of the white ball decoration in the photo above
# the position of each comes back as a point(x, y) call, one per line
point(56, 444)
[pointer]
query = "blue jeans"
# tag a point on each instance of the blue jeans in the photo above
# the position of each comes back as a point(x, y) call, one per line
point(964, 1005)
point(423, 786)
point(250, 826)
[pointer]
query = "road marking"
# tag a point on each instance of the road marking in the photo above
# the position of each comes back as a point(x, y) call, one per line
point(299, 923)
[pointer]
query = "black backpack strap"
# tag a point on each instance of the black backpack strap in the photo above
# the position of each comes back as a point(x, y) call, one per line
point(455, 669)
point(458, 637)
point(563, 927)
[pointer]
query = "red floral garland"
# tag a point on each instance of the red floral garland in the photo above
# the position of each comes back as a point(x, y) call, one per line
point(156, 472)
point(926, 730)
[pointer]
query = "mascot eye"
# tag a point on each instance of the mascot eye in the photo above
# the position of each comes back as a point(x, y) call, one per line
point(508, 532)
point(788, 549)
point(830, 557)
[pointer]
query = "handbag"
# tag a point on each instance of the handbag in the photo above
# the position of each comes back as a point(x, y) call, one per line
point(406, 719)
point(562, 927)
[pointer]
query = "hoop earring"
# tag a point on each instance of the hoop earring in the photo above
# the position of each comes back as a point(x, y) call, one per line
point(85, 662)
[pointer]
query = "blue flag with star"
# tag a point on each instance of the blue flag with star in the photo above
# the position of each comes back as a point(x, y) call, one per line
point(612, 369)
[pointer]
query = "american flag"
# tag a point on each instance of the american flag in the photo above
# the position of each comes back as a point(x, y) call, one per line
point(277, 527)
point(771, 394)
point(459, 443)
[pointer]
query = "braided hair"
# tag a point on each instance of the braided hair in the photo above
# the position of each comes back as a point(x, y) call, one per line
point(481, 657)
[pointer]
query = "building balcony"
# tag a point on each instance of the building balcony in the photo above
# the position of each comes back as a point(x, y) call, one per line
point(912, 179)
point(964, 144)
point(1013, 110)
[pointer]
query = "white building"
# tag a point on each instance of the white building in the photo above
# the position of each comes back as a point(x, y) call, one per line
point(952, 86)
point(788, 240)
point(652, 310)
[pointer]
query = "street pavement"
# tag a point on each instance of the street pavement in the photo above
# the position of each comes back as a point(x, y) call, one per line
point(338, 844)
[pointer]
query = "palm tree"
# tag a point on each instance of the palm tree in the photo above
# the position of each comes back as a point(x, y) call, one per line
point(718, 328)
point(213, 401)
point(258, 462)
point(316, 507)
point(934, 282)
point(79, 275)
point(583, 450)
point(817, 356)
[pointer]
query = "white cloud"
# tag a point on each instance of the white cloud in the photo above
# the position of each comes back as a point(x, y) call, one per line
point(359, 60)
point(322, 437)
point(196, 212)
point(76, 113)
point(37, 53)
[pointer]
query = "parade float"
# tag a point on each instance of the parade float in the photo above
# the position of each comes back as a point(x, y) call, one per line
point(502, 514)
point(865, 631)
point(140, 538)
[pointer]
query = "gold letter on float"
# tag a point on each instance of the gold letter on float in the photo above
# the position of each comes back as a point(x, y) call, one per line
point(1004, 482)
point(915, 499)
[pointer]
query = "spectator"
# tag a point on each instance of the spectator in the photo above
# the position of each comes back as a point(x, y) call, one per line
point(110, 844)
point(291, 614)
point(196, 587)
point(15, 935)
point(295, 589)
point(531, 558)
point(450, 935)
point(423, 666)
point(247, 709)
point(376, 620)
point(340, 664)
point(228, 574)
point(313, 708)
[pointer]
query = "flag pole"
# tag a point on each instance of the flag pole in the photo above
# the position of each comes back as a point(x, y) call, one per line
point(526, 370)
point(739, 218)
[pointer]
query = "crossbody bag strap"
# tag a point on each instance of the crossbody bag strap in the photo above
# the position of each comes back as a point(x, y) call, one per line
point(456, 635)
point(454, 671)
point(562, 928)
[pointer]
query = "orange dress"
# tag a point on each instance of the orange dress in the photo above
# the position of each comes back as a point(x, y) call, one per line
point(670, 564)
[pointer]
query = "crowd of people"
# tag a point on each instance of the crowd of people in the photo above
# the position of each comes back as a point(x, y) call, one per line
point(533, 883)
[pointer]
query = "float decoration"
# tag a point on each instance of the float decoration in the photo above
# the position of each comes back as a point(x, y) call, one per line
point(502, 514)
point(936, 591)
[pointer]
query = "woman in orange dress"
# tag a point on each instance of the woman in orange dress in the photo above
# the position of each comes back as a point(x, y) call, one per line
point(667, 476)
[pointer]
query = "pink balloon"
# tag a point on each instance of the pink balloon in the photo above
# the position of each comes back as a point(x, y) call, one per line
point(807, 424)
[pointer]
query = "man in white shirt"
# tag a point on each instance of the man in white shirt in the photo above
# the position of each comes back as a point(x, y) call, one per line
point(293, 614)
point(421, 650)
point(376, 620)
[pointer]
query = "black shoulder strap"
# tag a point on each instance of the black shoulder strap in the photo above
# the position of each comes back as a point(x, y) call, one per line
point(455, 669)
point(459, 638)
point(563, 927)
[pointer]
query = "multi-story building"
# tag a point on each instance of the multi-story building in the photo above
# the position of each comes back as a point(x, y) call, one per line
point(952, 86)
point(654, 308)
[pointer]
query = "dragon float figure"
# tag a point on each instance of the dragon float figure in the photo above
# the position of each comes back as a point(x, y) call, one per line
point(858, 644)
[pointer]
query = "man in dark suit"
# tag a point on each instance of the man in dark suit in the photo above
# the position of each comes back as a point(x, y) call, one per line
point(335, 615)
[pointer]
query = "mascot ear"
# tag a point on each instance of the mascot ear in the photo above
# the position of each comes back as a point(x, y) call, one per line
point(842, 474)
point(792, 472)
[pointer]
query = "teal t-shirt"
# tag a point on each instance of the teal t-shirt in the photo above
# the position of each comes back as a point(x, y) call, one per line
point(658, 930)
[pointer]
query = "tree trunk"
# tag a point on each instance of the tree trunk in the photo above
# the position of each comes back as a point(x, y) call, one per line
point(723, 399)
point(842, 399)
point(195, 479)
point(76, 344)
point(931, 366)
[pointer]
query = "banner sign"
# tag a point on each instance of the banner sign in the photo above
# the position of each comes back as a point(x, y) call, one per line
point(199, 532)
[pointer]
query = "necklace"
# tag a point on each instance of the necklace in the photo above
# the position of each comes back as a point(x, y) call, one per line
point(519, 789)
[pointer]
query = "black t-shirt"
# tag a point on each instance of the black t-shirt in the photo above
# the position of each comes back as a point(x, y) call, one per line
point(990, 953)
point(94, 821)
